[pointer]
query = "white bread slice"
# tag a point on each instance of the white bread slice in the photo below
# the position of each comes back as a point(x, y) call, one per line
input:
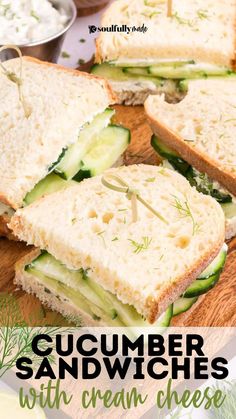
point(201, 30)
point(201, 128)
point(90, 226)
point(61, 101)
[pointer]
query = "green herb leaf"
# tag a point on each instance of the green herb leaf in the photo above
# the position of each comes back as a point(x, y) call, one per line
point(150, 179)
point(80, 61)
point(65, 54)
point(185, 211)
point(139, 247)
point(33, 14)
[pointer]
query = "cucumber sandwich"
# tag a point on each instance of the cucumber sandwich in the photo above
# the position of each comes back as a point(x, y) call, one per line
point(197, 139)
point(67, 134)
point(132, 247)
point(196, 41)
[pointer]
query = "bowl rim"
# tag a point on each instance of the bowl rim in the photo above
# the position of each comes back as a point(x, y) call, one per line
point(58, 34)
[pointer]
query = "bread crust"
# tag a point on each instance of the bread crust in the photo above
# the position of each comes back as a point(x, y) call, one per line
point(198, 159)
point(75, 72)
point(172, 291)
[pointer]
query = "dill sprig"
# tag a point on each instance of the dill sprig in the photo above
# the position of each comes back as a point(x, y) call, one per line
point(185, 211)
point(202, 14)
point(100, 234)
point(181, 20)
point(228, 408)
point(16, 336)
point(139, 247)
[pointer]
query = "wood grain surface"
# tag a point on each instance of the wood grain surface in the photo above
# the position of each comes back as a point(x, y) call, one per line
point(217, 308)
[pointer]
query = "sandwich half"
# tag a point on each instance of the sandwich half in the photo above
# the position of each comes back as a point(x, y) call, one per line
point(197, 138)
point(196, 41)
point(65, 135)
point(95, 261)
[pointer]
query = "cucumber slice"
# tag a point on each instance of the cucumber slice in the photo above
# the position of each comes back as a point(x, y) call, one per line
point(160, 62)
point(201, 286)
point(183, 304)
point(88, 295)
point(70, 164)
point(217, 265)
point(201, 181)
point(59, 288)
point(51, 183)
point(111, 143)
point(162, 148)
point(183, 86)
point(204, 184)
point(178, 164)
point(165, 319)
point(140, 71)
point(64, 291)
point(229, 209)
point(187, 71)
point(109, 72)
point(75, 279)
point(113, 73)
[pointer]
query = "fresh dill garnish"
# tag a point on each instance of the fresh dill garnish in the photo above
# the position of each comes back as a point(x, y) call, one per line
point(139, 247)
point(84, 273)
point(115, 239)
point(114, 314)
point(150, 14)
point(33, 14)
point(202, 14)
point(150, 3)
point(100, 234)
point(228, 408)
point(185, 211)
point(65, 54)
point(80, 61)
point(122, 209)
point(73, 221)
point(150, 179)
point(82, 40)
point(230, 120)
point(181, 20)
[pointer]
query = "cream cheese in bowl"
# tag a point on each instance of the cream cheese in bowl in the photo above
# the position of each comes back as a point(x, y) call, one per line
point(26, 21)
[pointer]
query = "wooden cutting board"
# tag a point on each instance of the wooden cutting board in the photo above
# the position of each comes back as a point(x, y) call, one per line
point(217, 308)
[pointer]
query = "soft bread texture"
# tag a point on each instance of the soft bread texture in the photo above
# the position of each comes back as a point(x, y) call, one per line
point(90, 226)
point(56, 302)
point(60, 101)
point(201, 30)
point(201, 128)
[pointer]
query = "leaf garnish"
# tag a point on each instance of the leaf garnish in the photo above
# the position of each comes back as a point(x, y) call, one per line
point(139, 247)
point(185, 211)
